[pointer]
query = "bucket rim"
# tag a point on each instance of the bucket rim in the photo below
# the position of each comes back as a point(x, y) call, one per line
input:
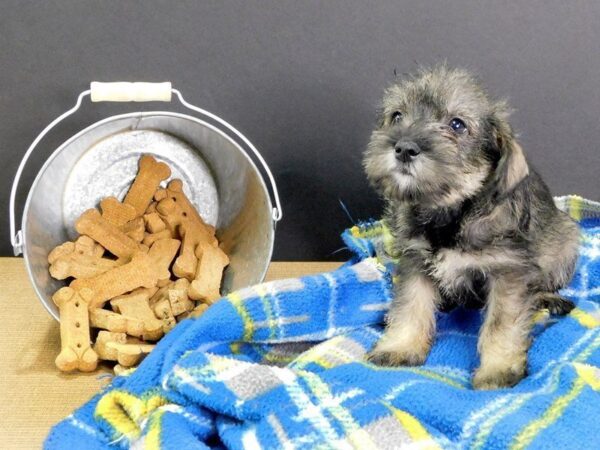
point(140, 115)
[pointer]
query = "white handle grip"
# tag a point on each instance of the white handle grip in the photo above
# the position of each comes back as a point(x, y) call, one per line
point(130, 92)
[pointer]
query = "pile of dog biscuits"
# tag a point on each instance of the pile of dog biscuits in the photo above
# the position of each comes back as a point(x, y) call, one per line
point(137, 268)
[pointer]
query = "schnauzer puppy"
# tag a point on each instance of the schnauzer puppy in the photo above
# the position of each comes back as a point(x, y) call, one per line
point(472, 222)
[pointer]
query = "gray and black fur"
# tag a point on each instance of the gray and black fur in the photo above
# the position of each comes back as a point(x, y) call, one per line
point(472, 222)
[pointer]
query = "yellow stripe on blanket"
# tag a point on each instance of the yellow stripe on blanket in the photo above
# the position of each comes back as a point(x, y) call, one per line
point(575, 203)
point(238, 303)
point(123, 411)
point(415, 430)
point(356, 435)
point(554, 411)
point(589, 374)
point(152, 438)
point(584, 318)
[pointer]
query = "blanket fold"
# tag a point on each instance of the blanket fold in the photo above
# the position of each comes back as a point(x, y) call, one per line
point(282, 365)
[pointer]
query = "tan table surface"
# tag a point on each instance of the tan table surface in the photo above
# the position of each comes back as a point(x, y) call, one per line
point(34, 394)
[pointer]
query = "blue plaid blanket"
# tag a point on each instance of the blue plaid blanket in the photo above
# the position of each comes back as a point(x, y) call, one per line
point(282, 365)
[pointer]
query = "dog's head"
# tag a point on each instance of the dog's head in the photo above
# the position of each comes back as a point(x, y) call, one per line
point(440, 140)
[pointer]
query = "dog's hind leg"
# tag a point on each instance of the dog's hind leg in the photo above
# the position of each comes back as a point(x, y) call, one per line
point(557, 250)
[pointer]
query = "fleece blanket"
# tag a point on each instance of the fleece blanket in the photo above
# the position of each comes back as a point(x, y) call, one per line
point(282, 365)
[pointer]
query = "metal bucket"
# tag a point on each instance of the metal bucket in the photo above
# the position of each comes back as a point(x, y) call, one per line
point(208, 154)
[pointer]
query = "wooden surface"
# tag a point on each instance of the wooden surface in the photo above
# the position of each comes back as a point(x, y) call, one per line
point(34, 394)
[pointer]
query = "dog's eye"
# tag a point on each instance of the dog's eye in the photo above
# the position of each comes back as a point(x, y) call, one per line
point(396, 117)
point(458, 126)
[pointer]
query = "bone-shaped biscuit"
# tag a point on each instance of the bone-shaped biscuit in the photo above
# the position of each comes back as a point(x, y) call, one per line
point(118, 369)
point(76, 352)
point(141, 271)
point(151, 208)
point(112, 321)
point(117, 213)
point(130, 354)
point(162, 310)
point(161, 306)
point(83, 245)
point(109, 236)
point(79, 259)
point(192, 230)
point(151, 238)
point(101, 346)
point(207, 284)
point(186, 264)
point(136, 306)
point(135, 229)
point(175, 192)
point(150, 174)
point(154, 223)
point(178, 297)
point(162, 253)
point(160, 294)
point(198, 310)
point(123, 217)
point(108, 320)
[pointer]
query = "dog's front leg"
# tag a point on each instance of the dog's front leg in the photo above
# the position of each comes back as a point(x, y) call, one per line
point(410, 323)
point(504, 337)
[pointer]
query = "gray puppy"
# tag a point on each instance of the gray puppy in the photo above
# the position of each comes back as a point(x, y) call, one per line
point(472, 222)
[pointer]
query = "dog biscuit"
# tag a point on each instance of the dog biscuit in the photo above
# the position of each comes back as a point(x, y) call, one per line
point(150, 174)
point(175, 191)
point(115, 212)
point(79, 259)
point(207, 284)
point(112, 321)
point(186, 263)
point(109, 236)
point(101, 347)
point(154, 223)
point(139, 272)
point(118, 369)
point(124, 217)
point(198, 310)
point(178, 297)
point(84, 246)
point(162, 310)
point(160, 294)
point(76, 352)
point(130, 354)
point(135, 229)
point(108, 320)
point(148, 291)
point(192, 232)
point(151, 208)
point(162, 253)
point(136, 307)
point(151, 238)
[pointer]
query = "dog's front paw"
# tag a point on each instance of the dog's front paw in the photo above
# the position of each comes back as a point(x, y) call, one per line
point(396, 357)
point(486, 379)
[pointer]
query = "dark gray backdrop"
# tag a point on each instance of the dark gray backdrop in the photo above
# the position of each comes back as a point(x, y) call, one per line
point(302, 80)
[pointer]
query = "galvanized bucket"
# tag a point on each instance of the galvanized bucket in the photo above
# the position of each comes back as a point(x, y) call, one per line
point(212, 158)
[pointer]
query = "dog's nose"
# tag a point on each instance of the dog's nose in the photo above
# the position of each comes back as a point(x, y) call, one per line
point(406, 150)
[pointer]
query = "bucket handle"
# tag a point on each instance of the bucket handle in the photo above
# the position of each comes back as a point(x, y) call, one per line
point(130, 92)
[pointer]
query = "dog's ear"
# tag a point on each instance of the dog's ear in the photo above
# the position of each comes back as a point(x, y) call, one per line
point(511, 167)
